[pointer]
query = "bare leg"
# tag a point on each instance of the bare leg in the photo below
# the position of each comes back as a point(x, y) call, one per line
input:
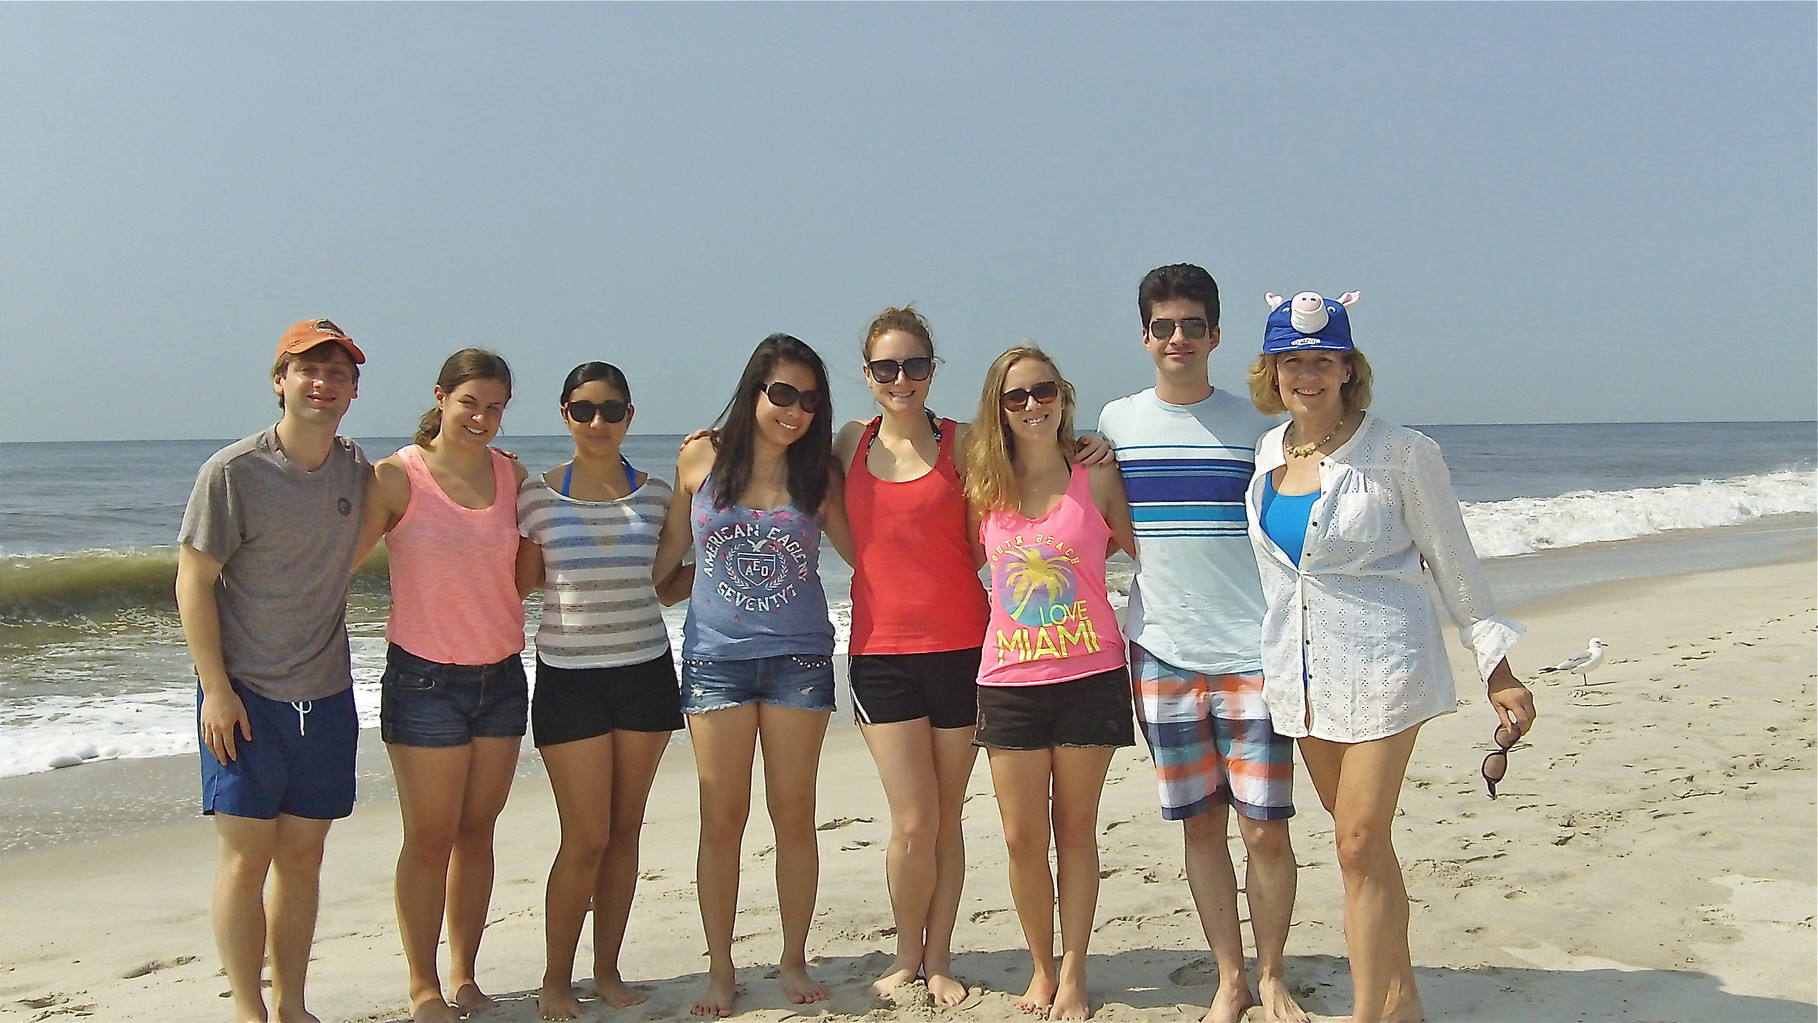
point(581, 778)
point(954, 756)
point(1079, 780)
point(792, 758)
point(635, 759)
point(1360, 783)
point(489, 773)
point(247, 846)
point(725, 741)
point(432, 784)
point(1021, 780)
point(296, 876)
point(904, 751)
point(1269, 883)
point(1213, 882)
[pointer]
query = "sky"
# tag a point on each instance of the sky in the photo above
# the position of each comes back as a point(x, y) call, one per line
point(1555, 212)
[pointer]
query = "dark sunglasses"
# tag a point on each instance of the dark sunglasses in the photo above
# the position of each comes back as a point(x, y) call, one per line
point(582, 412)
point(884, 371)
point(783, 395)
point(1043, 393)
point(1496, 765)
point(1162, 328)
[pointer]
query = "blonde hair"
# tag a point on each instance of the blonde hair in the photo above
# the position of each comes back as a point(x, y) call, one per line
point(990, 450)
point(1266, 392)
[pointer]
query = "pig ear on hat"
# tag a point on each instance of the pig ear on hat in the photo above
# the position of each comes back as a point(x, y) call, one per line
point(1349, 298)
point(1273, 299)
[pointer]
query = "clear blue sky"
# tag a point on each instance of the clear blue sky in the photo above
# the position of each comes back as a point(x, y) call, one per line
point(1555, 212)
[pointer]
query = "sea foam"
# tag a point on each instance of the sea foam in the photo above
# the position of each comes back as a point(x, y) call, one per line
point(1526, 524)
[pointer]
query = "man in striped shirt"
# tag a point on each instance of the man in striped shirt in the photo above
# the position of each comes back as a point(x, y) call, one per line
point(1187, 451)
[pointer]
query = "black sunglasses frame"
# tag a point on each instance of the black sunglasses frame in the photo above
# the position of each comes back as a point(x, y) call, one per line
point(784, 395)
point(603, 409)
point(1506, 740)
point(884, 371)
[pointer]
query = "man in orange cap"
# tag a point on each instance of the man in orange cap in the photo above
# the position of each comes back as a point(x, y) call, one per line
point(267, 545)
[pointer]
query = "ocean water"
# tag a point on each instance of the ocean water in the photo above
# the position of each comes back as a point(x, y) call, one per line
point(92, 662)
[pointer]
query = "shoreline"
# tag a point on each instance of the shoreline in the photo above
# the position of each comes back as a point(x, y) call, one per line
point(1652, 858)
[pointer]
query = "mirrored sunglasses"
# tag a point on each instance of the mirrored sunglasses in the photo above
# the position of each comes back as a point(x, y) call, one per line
point(583, 411)
point(784, 395)
point(1161, 328)
point(884, 371)
point(1043, 393)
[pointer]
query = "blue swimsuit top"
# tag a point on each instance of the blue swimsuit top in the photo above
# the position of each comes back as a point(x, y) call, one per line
point(1285, 518)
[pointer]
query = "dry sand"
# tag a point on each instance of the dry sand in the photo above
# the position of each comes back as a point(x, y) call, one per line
point(1652, 858)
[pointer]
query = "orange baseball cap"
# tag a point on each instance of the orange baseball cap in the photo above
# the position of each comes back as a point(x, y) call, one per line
point(306, 334)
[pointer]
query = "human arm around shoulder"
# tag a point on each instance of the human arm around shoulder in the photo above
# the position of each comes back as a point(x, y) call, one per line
point(672, 578)
point(222, 718)
point(387, 498)
point(833, 515)
point(1108, 494)
point(1092, 451)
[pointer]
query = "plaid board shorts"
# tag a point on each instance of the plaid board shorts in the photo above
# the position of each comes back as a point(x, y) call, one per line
point(1211, 739)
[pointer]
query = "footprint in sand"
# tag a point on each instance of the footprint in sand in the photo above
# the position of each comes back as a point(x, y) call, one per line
point(155, 965)
point(985, 914)
point(840, 822)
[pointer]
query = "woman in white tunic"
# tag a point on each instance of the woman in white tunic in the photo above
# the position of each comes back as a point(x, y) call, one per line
point(1347, 514)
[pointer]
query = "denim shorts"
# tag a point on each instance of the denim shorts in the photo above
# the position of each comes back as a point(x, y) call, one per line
point(300, 760)
point(802, 681)
point(426, 703)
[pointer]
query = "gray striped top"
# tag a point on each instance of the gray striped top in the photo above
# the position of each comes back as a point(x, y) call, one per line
point(599, 606)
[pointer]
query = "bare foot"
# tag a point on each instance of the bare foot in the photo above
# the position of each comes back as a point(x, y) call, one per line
point(434, 1010)
point(557, 1001)
point(1070, 998)
point(900, 973)
point(800, 987)
point(1278, 1001)
point(298, 1015)
point(1040, 996)
point(1230, 1002)
point(470, 999)
point(945, 990)
point(719, 997)
point(618, 994)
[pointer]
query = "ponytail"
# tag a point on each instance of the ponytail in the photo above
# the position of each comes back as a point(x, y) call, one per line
point(430, 425)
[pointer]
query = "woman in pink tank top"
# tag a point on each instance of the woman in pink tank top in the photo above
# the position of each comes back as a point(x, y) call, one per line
point(453, 699)
point(1054, 692)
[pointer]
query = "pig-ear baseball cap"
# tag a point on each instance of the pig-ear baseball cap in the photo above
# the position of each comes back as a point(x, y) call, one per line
point(306, 334)
point(1308, 321)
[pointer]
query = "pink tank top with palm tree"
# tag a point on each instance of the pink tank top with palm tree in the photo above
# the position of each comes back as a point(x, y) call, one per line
point(1051, 620)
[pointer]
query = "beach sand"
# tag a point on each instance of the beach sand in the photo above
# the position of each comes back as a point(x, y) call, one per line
point(1651, 858)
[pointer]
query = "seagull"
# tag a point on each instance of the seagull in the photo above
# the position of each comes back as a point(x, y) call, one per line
point(1582, 663)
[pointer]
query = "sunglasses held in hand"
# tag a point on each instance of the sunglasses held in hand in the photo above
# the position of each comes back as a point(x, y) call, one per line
point(1497, 763)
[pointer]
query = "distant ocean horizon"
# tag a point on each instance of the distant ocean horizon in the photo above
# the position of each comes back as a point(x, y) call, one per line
point(92, 662)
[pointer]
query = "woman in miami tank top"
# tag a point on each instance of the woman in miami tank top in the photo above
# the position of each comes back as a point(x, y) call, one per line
point(1054, 693)
point(757, 646)
point(453, 700)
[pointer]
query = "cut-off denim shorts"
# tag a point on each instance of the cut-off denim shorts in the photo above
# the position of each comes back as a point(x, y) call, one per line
point(427, 703)
point(802, 681)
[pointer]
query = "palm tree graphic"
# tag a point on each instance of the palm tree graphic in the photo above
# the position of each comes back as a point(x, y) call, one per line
point(1030, 570)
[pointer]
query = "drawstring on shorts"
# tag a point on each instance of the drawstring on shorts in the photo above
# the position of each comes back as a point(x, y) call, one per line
point(302, 707)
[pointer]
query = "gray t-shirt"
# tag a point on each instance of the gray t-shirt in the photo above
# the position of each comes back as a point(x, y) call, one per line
point(285, 539)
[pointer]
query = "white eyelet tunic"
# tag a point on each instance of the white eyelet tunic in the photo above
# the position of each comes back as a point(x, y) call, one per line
point(1351, 643)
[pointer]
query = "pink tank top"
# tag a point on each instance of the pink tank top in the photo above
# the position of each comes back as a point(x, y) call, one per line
point(914, 589)
point(454, 593)
point(1051, 620)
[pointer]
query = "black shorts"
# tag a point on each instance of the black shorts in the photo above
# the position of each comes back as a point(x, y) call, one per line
point(580, 703)
point(1090, 711)
point(942, 687)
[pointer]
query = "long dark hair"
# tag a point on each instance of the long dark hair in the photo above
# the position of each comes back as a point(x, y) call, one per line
point(807, 458)
point(464, 365)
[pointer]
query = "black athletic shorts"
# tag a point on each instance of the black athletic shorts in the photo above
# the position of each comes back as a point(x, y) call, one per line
point(942, 687)
point(580, 703)
point(1090, 711)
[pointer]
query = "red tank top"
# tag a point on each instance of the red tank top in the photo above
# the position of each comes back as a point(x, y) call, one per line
point(914, 588)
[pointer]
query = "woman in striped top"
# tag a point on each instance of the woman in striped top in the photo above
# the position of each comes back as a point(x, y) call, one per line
point(606, 698)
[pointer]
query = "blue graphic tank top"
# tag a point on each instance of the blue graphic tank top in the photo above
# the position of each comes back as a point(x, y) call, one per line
point(757, 583)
